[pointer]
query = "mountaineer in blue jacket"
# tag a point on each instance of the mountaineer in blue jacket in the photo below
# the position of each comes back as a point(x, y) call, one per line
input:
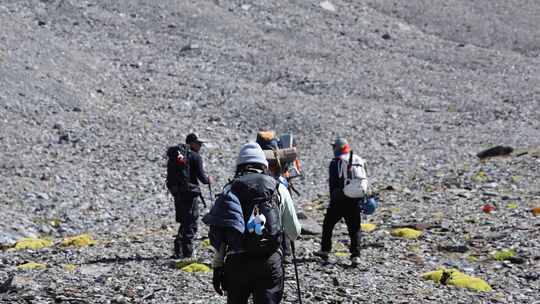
point(247, 223)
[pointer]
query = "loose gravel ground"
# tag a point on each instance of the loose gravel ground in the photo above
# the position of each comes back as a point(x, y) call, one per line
point(92, 93)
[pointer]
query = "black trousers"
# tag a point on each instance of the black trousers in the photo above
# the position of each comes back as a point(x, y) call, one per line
point(349, 209)
point(260, 277)
point(187, 213)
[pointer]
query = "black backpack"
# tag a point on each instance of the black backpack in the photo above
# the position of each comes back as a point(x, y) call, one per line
point(178, 168)
point(260, 191)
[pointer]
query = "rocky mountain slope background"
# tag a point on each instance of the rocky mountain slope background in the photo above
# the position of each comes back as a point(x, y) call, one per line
point(92, 93)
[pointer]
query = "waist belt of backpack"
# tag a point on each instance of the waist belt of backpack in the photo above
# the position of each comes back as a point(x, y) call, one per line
point(233, 253)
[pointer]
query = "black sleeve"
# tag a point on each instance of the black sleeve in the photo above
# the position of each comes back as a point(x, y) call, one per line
point(333, 180)
point(201, 175)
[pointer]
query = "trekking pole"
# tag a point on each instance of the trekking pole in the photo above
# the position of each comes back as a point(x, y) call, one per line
point(211, 194)
point(203, 201)
point(293, 189)
point(296, 273)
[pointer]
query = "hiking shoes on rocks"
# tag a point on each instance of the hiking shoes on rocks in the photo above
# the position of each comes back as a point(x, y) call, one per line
point(176, 255)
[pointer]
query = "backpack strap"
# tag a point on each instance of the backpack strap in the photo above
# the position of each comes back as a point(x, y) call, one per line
point(188, 164)
point(342, 172)
point(276, 191)
point(279, 208)
point(349, 165)
point(345, 170)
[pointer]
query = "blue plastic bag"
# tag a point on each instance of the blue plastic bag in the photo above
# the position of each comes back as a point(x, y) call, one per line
point(370, 205)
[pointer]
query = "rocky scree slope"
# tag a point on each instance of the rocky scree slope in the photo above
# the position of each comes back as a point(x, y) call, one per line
point(93, 92)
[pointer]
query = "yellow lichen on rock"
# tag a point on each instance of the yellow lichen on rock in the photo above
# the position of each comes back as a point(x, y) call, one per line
point(206, 243)
point(512, 205)
point(82, 240)
point(504, 254)
point(414, 248)
point(480, 177)
point(70, 267)
point(458, 279)
point(472, 258)
point(341, 254)
point(433, 275)
point(31, 265)
point(462, 280)
point(55, 223)
point(407, 233)
point(196, 267)
point(30, 243)
point(338, 246)
point(367, 227)
point(184, 262)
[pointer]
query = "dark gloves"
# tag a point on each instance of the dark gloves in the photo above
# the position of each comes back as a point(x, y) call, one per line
point(218, 280)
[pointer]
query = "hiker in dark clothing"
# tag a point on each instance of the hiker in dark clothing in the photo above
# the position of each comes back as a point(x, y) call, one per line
point(186, 203)
point(340, 205)
point(248, 259)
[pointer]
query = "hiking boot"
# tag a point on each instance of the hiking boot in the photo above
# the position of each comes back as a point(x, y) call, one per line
point(190, 256)
point(322, 254)
point(177, 252)
point(355, 260)
point(189, 260)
